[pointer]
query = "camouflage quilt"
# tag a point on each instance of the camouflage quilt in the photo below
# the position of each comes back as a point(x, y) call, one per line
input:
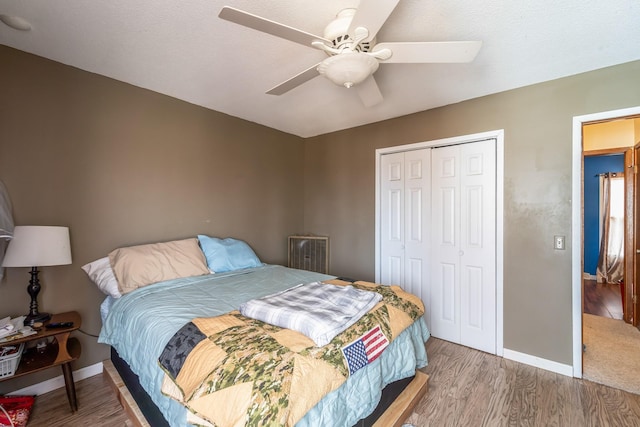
point(231, 370)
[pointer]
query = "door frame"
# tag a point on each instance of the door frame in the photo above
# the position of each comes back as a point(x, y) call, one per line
point(498, 135)
point(629, 235)
point(576, 224)
point(632, 297)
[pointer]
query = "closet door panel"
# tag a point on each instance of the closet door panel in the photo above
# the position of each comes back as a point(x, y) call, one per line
point(471, 299)
point(394, 269)
point(415, 270)
point(392, 219)
point(405, 220)
point(414, 241)
point(447, 205)
point(474, 226)
point(445, 304)
point(417, 222)
point(477, 246)
point(445, 277)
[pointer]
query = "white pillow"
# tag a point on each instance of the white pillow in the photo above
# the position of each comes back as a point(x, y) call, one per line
point(100, 273)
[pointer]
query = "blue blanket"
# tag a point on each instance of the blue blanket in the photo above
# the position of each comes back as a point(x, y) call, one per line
point(139, 324)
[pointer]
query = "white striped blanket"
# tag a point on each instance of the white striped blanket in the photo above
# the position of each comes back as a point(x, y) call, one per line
point(319, 311)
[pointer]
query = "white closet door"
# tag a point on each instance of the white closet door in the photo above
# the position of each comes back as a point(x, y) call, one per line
point(405, 219)
point(478, 246)
point(463, 300)
point(392, 219)
point(445, 271)
point(417, 238)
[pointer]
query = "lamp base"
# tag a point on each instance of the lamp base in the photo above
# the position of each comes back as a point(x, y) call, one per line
point(38, 317)
point(33, 289)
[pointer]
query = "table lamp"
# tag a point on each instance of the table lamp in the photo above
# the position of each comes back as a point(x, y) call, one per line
point(37, 246)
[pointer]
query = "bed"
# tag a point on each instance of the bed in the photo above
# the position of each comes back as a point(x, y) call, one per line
point(139, 324)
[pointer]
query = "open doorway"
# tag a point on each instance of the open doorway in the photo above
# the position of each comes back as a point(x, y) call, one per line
point(577, 222)
point(604, 231)
point(608, 201)
point(611, 343)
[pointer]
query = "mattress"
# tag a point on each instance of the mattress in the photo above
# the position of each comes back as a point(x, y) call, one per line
point(139, 325)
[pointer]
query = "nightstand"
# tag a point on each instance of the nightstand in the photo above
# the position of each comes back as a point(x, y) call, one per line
point(61, 352)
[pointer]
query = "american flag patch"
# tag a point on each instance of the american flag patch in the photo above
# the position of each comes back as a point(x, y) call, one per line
point(365, 349)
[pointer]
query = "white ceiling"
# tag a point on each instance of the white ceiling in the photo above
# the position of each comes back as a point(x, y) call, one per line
point(182, 49)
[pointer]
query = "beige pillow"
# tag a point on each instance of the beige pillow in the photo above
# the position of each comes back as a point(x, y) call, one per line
point(138, 266)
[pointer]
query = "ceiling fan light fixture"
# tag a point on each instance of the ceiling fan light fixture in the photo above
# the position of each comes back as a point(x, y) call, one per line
point(349, 68)
point(15, 22)
point(340, 25)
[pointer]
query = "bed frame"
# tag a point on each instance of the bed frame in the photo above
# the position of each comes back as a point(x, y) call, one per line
point(397, 402)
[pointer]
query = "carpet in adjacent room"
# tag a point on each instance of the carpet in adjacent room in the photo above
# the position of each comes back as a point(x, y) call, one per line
point(611, 356)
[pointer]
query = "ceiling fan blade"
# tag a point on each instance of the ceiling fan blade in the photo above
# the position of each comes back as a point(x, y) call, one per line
point(369, 92)
point(270, 27)
point(295, 81)
point(421, 52)
point(372, 14)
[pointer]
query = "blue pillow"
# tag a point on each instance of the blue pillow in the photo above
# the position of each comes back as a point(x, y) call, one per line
point(227, 254)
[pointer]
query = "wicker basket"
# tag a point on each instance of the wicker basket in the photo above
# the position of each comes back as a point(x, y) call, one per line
point(10, 362)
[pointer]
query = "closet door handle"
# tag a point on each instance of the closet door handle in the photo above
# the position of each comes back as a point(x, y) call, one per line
point(460, 253)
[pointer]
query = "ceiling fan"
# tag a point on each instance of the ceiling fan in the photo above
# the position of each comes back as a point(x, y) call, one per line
point(353, 53)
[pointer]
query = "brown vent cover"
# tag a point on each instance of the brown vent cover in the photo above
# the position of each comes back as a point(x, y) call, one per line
point(309, 253)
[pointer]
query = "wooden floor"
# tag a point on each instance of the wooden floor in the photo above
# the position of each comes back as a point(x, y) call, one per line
point(602, 299)
point(466, 388)
point(471, 388)
point(97, 406)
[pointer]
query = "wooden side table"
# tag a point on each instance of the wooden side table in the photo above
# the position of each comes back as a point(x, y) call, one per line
point(62, 351)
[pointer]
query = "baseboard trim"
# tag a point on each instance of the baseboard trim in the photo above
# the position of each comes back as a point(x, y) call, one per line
point(538, 362)
point(58, 382)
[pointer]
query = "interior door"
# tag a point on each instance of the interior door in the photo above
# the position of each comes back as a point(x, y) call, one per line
point(405, 219)
point(463, 273)
point(478, 233)
point(392, 218)
point(445, 271)
point(417, 220)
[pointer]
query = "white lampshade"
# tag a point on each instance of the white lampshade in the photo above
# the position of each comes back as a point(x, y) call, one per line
point(348, 69)
point(38, 246)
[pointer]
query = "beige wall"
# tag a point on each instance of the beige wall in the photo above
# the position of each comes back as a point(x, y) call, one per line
point(340, 192)
point(121, 165)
